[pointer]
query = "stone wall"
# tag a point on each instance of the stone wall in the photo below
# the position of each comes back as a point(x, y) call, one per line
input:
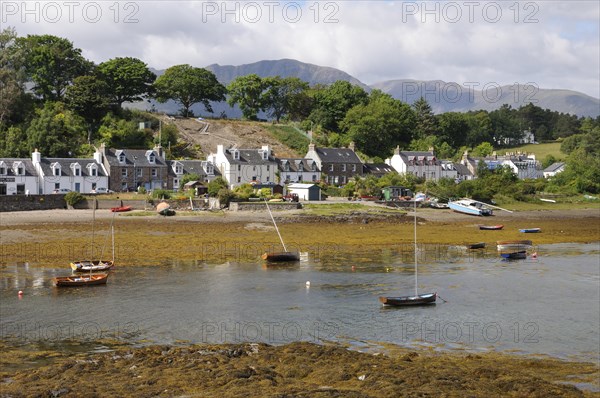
point(32, 202)
point(248, 206)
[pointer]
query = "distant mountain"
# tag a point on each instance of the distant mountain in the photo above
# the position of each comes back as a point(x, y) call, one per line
point(442, 96)
point(452, 97)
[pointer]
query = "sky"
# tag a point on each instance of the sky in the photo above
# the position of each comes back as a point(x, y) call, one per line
point(552, 44)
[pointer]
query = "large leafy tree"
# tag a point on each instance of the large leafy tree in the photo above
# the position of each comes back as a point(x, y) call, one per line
point(284, 96)
point(188, 85)
point(128, 79)
point(12, 78)
point(88, 98)
point(380, 125)
point(247, 93)
point(505, 126)
point(13, 143)
point(56, 131)
point(121, 133)
point(453, 128)
point(332, 103)
point(52, 63)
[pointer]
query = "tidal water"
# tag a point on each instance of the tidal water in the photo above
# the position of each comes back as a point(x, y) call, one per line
point(545, 305)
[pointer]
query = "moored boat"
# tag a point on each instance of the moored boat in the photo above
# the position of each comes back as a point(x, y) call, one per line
point(513, 245)
point(530, 230)
point(471, 207)
point(92, 265)
point(400, 301)
point(518, 255)
point(120, 209)
point(479, 245)
point(281, 257)
point(81, 280)
point(490, 227)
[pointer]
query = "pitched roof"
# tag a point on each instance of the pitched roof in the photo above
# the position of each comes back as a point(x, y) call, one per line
point(337, 155)
point(462, 170)
point(554, 167)
point(249, 156)
point(65, 166)
point(137, 157)
point(29, 168)
point(301, 185)
point(307, 164)
point(378, 168)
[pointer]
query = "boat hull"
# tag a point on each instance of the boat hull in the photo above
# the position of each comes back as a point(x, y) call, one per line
point(480, 245)
point(91, 265)
point(406, 301)
point(87, 280)
point(491, 227)
point(530, 230)
point(120, 209)
point(468, 208)
point(520, 255)
point(281, 257)
point(513, 245)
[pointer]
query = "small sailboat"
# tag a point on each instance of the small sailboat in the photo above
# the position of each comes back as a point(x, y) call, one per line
point(416, 299)
point(96, 265)
point(471, 207)
point(513, 245)
point(285, 255)
point(81, 280)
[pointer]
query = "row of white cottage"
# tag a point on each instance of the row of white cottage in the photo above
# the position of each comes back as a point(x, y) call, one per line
point(127, 170)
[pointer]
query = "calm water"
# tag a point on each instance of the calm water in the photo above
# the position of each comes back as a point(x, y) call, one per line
point(549, 305)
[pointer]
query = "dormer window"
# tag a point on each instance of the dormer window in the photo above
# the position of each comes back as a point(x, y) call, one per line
point(76, 169)
point(56, 169)
point(178, 168)
point(236, 154)
point(3, 169)
point(300, 168)
point(152, 158)
point(313, 167)
point(120, 156)
point(265, 155)
point(286, 165)
point(92, 170)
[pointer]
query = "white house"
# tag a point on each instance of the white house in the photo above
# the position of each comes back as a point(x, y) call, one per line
point(240, 166)
point(448, 170)
point(298, 170)
point(178, 168)
point(554, 169)
point(305, 191)
point(18, 177)
point(418, 163)
point(523, 165)
point(75, 174)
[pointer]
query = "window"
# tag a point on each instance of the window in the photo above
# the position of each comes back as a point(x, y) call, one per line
point(151, 158)
point(286, 166)
point(300, 168)
point(123, 187)
point(253, 178)
point(239, 167)
point(20, 171)
point(239, 179)
point(265, 155)
point(20, 189)
point(123, 172)
point(344, 167)
point(287, 178)
point(268, 167)
point(268, 179)
point(76, 171)
point(94, 186)
point(2, 170)
point(343, 179)
point(236, 154)
point(154, 172)
point(176, 183)
point(3, 189)
point(93, 171)
point(56, 171)
point(353, 167)
point(330, 167)
point(253, 168)
point(178, 169)
point(122, 158)
point(140, 172)
point(314, 177)
point(57, 185)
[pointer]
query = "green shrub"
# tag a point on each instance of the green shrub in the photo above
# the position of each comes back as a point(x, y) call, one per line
point(72, 198)
point(161, 194)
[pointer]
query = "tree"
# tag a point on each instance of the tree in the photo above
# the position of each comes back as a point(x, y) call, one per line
point(482, 150)
point(88, 98)
point(426, 123)
point(128, 79)
point(453, 128)
point(52, 63)
point(115, 132)
point(56, 131)
point(247, 92)
point(188, 85)
point(216, 185)
point(284, 96)
point(332, 103)
point(13, 143)
point(505, 127)
point(380, 125)
point(12, 77)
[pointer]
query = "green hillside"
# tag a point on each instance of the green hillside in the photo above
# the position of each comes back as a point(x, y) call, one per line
point(540, 150)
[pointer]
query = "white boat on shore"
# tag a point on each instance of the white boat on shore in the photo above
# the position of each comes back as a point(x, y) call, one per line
point(469, 206)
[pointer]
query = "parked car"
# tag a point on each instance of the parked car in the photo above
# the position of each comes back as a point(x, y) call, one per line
point(101, 190)
point(62, 191)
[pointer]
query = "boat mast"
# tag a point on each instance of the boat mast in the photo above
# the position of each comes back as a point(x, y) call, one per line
point(416, 266)
point(276, 229)
point(93, 224)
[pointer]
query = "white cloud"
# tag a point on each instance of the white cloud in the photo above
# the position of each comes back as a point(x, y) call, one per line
point(554, 44)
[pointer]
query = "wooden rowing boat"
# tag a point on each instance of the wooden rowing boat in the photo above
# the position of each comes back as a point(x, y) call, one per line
point(513, 245)
point(81, 280)
point(472, 246)
point(490, 227)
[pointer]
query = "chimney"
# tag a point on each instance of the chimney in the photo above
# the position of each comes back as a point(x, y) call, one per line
point(98, 156)
point(36, 157)
point(431, 149)
point(267, 149)
point(220, 149)
point(351, 146)
point(311, 147)
point(397, 150)
point(158, 149)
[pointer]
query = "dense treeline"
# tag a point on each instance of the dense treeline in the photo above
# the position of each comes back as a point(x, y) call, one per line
point(53, 99)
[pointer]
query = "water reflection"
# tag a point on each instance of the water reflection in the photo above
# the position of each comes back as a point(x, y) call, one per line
point(545, 305)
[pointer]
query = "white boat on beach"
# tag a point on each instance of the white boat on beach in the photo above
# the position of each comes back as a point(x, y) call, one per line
point(469, 206)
